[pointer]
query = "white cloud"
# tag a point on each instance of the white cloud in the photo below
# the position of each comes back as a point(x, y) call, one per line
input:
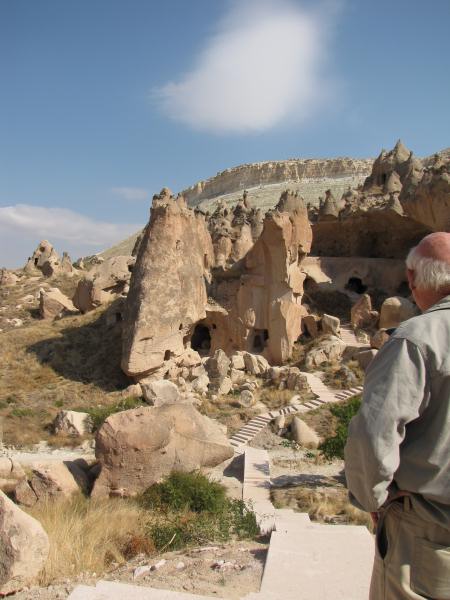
point(22, 227)
point(130, 193)
point(265, 65)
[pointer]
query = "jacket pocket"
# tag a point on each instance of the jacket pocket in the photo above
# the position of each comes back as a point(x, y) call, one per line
point(430, 570)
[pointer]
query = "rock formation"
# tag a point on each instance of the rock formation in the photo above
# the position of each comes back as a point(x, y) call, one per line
point(24, 547)
point(211, 284)
point(103, 283)
point(139, 447)
point(53, 304)
point(46, 260)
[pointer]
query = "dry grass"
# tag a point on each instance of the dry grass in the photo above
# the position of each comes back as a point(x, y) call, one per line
point(72, 363)
point(89, 535)
point(326, 506)
point(341, 376)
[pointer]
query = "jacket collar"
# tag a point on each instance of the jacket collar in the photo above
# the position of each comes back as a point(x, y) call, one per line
point(442, 304)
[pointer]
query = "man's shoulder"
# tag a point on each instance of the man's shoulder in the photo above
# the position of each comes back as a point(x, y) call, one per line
point(428, 330)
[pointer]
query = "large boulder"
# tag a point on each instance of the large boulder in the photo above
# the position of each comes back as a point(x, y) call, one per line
point(217, 368)
point(53, 304)
point(7, 278)
point(159, 392)
point(72, 422)
point(330, 348)
point(139, 447)
point(11, 473)
point(24, 547)
point(362, 314)
point(331, 325)
point(395, 310)
point(103, 283)
point(57, 479)
point(303, 434)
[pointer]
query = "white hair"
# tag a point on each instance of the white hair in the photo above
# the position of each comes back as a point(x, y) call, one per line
point(429, 273)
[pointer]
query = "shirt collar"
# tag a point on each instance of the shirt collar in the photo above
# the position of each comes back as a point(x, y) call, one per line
point(443, 303)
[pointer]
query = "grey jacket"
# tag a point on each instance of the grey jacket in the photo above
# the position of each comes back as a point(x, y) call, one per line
point(400, 438)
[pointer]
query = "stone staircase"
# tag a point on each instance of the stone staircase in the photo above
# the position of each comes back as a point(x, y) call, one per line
point(305, 561)
point(324, 395)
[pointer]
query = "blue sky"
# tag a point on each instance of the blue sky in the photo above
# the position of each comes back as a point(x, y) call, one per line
point(104, 102)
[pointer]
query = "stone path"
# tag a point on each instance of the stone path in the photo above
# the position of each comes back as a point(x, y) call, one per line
point(324, 395)
point(348, 336)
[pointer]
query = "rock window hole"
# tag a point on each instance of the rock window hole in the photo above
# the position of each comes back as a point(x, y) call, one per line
point(259, 339)
point(355, 284)
point(167, 355)
point(201, 339)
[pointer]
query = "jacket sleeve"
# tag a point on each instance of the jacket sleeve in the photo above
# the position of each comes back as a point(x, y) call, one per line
point(394, 395)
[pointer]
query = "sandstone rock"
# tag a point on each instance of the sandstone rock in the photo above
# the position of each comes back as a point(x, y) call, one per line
point(44, 253)
point(310, 324)
point(7, 278)
point(132, 391)
point(160, 392)
point(331, 325)
point(201, 384)
point(53, 304)
point(138, 447)
point(329, 349)
point(365, 357)
point(395, 310)
point(237, 362)
point(52, 479)
point(11, 473)
point(303, 434)
point(225, 386)
point(103, 283)
point(378, 339)
point(246, 399)
point(24, 546)
point(237, 376)
point(362, 314)
point(23, 494)
point(72, 422)
point(295, 381)
point(217, 368)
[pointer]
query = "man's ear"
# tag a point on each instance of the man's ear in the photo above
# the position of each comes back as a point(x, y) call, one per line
point(410, 275)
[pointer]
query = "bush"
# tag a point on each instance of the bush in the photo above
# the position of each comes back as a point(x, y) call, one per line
point(99, 414)
point(185, 491)
point(189, 509)
point(333, 447)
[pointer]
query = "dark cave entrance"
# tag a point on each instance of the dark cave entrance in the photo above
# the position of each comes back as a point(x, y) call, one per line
point(355, 284)
point(201, 339)
point(260, 338)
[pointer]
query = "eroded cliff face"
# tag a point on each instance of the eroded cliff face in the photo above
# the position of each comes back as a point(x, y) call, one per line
point(401, 201)
point(232, 282)
point(297, 174)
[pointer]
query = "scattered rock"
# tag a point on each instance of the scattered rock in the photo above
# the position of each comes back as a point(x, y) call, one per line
point(52, 479)
point(310, 325)
point(303, 434)
point(217, 367)
point(237, 362)
point(395, 310)
point(53, 304)
point(379, 338)
point(329, 349)
point(362, 314)
point(365, 357)
point(11, 473)
point(246, 399)
point(24, 547)
point(160, 392)
point(72, 422)
point(331, 325)
point(7, 278)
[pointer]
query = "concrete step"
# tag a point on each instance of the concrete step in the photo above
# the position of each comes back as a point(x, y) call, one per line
point(318, 563)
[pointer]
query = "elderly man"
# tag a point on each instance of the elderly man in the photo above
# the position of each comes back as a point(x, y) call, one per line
point(397, 457)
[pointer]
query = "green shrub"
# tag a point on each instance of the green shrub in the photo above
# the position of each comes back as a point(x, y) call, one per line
point(333, 447)
point(21, 412)
point(189, 509)
point(100, 413)
point(185, 491)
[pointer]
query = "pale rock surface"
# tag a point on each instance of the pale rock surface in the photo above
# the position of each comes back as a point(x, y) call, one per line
point(160, 392)
point(72, 422)
point(138, 447)
point(103, 283)
point(330, 348)
point(303, 434)
point(379, 338)
point(200, 384)
point(311, 325)
point(246, 399)
point(24, 547)
point(44, 253)
point(10, 474)
point(218, 367)
point(237, 362)
point(132, 391)
point(23, 494)
point(395, 310)
point(331, 325)
point(365, 357)
point(54, 479)
point(362, 314)
point(53, 304)
point(7, 278)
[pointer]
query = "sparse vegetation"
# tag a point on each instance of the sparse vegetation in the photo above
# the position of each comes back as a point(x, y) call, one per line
point(333, 446)
point(100, 413)
point(340, 376)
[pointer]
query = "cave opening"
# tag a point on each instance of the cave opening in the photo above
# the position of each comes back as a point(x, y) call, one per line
point(201, 339)
point(260, 338)
point(355, 284)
